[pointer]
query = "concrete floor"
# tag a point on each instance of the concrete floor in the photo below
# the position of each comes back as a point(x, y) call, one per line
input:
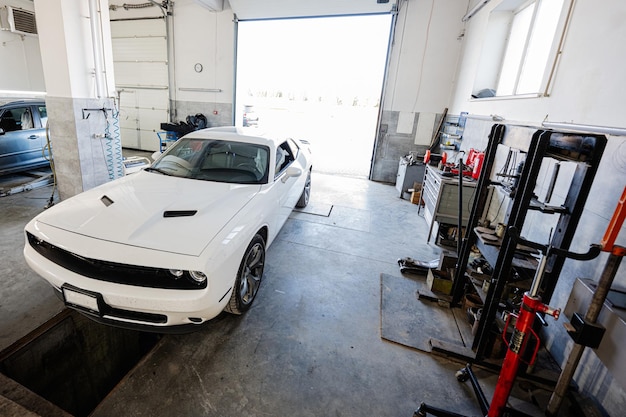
point(26, 301)
point(311, 344)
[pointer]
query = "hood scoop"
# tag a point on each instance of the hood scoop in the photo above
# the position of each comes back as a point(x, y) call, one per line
point(179, 213)
point(106, 200)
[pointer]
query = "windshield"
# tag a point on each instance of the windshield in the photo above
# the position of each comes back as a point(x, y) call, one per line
point(215, 160)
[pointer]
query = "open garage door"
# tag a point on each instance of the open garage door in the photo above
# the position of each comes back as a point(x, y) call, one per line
point(141, 77)
point(318, 79)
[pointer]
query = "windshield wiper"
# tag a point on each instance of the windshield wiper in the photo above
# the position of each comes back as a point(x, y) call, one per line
point(160, 171)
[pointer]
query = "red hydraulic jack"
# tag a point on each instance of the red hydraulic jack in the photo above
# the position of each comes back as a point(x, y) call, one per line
point(529, 309)
point(531, 305)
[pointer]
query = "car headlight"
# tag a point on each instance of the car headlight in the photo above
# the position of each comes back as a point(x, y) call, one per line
point(177, 273)
point(197, 276)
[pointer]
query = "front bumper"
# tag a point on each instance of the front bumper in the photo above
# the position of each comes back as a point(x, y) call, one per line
point(130, 306)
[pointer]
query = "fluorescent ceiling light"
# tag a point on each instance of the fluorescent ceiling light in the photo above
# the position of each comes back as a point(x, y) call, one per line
point(15, 93)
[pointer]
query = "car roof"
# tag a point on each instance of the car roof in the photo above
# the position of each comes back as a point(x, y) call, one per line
point(236, 134)
point(17, 103)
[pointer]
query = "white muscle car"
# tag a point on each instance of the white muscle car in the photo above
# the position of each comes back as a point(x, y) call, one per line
point(175, 244)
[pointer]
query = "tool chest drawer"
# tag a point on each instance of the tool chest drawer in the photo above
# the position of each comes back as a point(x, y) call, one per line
point(441, 198)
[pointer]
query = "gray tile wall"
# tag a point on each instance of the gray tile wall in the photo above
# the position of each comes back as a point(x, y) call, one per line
point(81, 154)
point(391, 146)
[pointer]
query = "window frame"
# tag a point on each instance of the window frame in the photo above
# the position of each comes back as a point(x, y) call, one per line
point(493, 54)
point(287, 146)
point(521, 53)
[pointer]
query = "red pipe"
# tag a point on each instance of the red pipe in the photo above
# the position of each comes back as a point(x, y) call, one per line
point(608, 241)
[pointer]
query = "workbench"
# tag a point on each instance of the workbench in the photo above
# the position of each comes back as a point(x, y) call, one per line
point(441, 198)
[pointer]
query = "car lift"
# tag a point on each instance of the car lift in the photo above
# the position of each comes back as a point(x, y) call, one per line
point(39, 180)
point(530, 308)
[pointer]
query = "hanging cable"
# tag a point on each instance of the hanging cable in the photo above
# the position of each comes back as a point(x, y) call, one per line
point(108, 153)
point(112, 150)
point(117, 141)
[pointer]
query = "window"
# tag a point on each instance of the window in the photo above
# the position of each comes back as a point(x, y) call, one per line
point(284, 156)
point(293, 147)
point(18, 118)
point(43, 115)
point(520, 48)
point(215, 160)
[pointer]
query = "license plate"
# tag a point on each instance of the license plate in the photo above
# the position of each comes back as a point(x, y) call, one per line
point(85, 300)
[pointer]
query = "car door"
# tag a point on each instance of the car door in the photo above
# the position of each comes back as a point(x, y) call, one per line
point(22, 138)
point(286, 188)
point(296, 186)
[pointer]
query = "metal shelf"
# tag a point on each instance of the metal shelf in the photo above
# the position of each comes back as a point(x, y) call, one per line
point(504, 254)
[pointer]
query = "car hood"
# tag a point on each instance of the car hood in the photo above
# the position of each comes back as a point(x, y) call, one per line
point(152, 211)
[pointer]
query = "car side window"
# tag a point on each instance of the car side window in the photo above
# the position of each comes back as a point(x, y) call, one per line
point(8, 122)
point(26, 120)
point(284, 157)
point(18, 118)
point(43, 115)
point(294, 148)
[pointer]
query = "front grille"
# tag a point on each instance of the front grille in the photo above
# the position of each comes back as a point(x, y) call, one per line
point(137, 315)
point(140, 276)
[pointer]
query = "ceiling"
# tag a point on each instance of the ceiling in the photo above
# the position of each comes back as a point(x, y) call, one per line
point(272, 9)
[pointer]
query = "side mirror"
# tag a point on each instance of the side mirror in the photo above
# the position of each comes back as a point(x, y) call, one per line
point(2, 132)
point(155, 155)
point(292, 172)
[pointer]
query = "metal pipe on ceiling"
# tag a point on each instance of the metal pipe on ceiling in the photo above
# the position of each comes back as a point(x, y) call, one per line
point(615, 131)
point(475, 9)
point(98, 52)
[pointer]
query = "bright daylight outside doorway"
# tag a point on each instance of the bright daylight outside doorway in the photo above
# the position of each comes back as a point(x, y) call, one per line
point(318, 79)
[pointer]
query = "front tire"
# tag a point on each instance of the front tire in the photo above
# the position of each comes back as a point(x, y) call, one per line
point(248, 277)
point(306, 193)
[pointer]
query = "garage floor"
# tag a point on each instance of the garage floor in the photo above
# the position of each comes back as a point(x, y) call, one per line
point(311, 344)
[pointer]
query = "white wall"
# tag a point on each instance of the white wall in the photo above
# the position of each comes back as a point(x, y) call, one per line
point(589, 84)
point(67, 48)
point(588, 88)
point(425, 51)
point(208, 38)
point(420, 80)
point(197, 36)
point(20, 58)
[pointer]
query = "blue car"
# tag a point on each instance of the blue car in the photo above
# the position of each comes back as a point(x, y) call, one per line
point(23, 136)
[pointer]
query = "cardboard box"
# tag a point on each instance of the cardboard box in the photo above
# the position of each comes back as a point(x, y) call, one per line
point(416, 196)
point(439, 281)
point(416, 193)
point(447, 260)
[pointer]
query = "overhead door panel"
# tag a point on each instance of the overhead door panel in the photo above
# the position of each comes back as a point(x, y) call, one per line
point(152, 74)
point(128, 119)
point(141, 77)
point(129, 28)
point(139, 49)
point(272, 9)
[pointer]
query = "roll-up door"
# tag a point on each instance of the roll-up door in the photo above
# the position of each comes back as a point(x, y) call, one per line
point(274, 9)
point(141, 77)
